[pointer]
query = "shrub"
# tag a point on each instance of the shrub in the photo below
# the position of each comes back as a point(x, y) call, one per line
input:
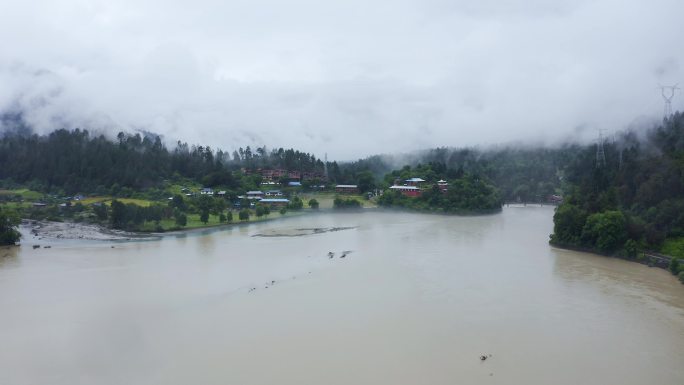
point(675, 266)
point(204, 216)
point(296, 204)
point(9, 221)
point(348, 203)
point(607, 231)
point(244, 215)
point(181, 219)
point(260, 211)
point(631, 249)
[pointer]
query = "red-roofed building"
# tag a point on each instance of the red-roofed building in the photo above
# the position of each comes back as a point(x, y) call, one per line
point(409, 191)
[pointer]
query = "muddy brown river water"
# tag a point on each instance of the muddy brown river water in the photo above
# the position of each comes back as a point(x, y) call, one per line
point(417, 299)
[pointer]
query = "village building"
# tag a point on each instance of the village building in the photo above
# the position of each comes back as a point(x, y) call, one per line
point(276, 174)
point(255, 194)
point(443, 185)
point(221, 193)
point(347, 188)
point(207, 191)
point(272, 174)
point(414, 181)
point(309, 175)
point(275, 202)
point(274, 193)
point(294, 184)
point(409, 191)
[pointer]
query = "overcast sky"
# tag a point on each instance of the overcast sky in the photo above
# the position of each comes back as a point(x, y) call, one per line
point(350, 78)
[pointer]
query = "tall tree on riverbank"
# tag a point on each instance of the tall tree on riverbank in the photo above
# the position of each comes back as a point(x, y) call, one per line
point(9, 235)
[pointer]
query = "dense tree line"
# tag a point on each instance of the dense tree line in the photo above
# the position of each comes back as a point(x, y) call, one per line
point(633, 200)
point(77, 161)
point(280, 158)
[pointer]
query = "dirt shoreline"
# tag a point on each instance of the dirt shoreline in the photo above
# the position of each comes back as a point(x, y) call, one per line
point(49, 230)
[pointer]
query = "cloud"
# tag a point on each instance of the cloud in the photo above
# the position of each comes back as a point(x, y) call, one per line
point(348, 78)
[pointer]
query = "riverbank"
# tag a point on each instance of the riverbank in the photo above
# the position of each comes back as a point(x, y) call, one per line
point(439, 211)
point(39, 230)
point(650, 259)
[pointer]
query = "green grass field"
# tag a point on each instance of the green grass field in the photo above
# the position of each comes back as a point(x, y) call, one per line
point(177, 188)
point(673, 247)
point(16, 205)
point(108, 201)
point(24, 192)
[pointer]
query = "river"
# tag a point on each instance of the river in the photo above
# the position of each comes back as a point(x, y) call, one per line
point(417, 299)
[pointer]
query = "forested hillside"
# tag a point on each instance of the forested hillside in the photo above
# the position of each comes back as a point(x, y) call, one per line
point(528, 174)
point(634, 200)
point(76, 161)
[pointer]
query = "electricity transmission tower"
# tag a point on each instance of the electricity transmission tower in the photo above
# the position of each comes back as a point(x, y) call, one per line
point(618, 145)
point(600, 152)
point(668, 93)
point(620, 160)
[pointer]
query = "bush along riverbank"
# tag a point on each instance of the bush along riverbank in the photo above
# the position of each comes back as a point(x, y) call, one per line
point(672, 264)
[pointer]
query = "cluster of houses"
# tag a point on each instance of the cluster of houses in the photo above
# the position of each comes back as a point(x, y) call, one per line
point(413, 187)
point(76, 198)
point(277, 174)
point(210, 191)
point(272, 198)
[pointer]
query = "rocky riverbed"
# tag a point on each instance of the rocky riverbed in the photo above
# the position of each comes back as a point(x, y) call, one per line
point(47, 230)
